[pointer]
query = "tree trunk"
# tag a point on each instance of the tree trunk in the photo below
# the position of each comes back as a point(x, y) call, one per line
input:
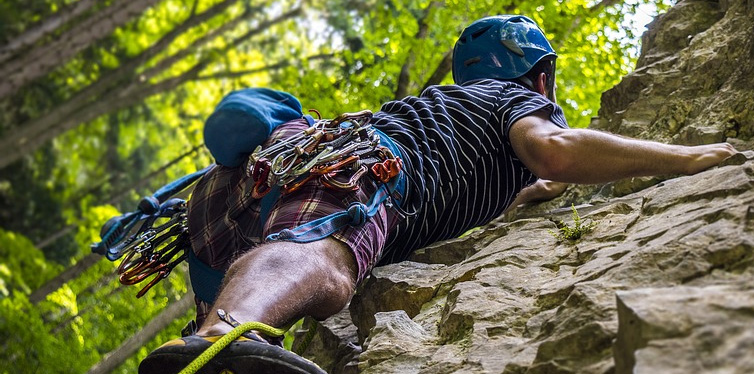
point(404, 78)
point(24, 141)
point(43, 59)
point(443, 68)
point(68, 274)
point(112, 360)
point(35, 33)
point(446, 64)
point(108, 82)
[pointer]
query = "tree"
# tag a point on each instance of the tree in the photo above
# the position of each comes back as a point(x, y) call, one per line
point(30, 64)
point(115, 358)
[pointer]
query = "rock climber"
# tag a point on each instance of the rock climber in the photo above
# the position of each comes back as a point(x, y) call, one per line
point(467, 151)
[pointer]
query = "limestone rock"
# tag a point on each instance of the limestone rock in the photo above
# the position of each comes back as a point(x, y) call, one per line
point(664, 283)
point(333, 343)
point(404, 286)
point(685, 330)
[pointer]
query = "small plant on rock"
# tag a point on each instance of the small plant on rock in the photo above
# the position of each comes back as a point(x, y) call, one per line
point(575, 232)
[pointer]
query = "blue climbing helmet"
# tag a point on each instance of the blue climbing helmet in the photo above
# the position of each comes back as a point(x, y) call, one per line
point(501, 47)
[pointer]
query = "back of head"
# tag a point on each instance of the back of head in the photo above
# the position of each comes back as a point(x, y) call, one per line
point(501, 47)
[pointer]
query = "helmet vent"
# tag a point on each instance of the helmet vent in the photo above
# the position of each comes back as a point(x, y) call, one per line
point(472, 60)
point(479, 33)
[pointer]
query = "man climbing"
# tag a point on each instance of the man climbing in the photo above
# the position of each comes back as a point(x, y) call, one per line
point(467, 150)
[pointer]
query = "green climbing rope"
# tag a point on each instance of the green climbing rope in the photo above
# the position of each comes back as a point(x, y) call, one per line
point(226, 339)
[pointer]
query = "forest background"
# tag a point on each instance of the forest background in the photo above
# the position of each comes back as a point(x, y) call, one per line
point(102, 102)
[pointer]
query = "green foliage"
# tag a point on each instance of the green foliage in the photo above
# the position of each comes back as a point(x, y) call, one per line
point(23, 267)
point(575, 232)
point(27, 346)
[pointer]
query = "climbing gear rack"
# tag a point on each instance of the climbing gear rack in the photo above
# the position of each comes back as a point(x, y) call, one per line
point(153, 239)
point(346, 145)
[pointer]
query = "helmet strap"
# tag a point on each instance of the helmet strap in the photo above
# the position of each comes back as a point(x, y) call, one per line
point(551, 83)
point(526, 82)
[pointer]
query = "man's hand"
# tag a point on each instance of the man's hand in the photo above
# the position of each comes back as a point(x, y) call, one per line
point(541, 190)
point(703, 157)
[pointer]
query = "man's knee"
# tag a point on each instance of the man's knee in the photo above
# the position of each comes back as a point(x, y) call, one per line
point(328, 259)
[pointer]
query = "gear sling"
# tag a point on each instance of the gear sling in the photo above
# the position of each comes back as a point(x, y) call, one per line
point(347, 145)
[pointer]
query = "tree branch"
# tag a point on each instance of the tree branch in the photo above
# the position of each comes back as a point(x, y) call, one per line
point(45, 58)
point(35, 33)
point(105, 85)
point(277, 65)
point(577, 21)
point(124, 72)
point(404, 78)
point(137, 91)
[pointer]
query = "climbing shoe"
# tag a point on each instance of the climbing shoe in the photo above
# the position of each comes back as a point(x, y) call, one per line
point(241, 356)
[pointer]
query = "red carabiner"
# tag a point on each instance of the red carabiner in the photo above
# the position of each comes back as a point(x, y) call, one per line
point(259, 174)
point(161, 272)
point(385, 171)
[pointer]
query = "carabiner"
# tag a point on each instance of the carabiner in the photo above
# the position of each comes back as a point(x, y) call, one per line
point(338, 166)
point(295, 186)
point(329, 181)
point(364, 115)
point(260, 170)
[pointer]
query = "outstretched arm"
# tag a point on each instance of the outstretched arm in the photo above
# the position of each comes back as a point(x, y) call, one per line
point(588, 156)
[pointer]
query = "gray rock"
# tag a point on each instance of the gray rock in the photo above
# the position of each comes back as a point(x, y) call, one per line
point(685, 330)
point(663, 284)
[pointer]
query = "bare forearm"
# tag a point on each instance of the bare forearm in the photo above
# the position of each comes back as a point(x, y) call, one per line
point(588, 156)
point(595, 157)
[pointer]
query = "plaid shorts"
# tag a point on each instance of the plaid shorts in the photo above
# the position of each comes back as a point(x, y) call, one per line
point(224, 220)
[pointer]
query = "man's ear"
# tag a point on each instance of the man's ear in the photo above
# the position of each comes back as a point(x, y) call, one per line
point(540, 84)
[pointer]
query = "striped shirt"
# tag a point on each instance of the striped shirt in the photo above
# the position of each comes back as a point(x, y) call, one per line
point(461, 169)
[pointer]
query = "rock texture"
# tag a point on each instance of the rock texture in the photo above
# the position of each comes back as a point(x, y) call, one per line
point(664, 283)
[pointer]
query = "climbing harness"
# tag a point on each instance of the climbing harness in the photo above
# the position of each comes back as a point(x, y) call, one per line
point(346, 146)
point(336, 153)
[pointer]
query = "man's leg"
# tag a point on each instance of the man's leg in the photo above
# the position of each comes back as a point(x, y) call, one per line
point(280, 282)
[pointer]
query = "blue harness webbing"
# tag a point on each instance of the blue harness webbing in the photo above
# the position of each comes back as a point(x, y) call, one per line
point(356, 214)
point(206, 281)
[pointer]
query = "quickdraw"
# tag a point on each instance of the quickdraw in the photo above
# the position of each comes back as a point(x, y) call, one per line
point(328, 148)
point(152, 240)
point(155, 251)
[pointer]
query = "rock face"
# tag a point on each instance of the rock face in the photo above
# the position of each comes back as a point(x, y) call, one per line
point(663, 284)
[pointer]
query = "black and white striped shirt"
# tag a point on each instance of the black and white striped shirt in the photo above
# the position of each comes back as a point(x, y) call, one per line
point(460, 165)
